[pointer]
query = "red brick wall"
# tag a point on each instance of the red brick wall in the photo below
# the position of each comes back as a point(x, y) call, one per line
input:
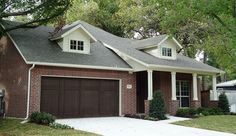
point(128, 96)
point(13, 78)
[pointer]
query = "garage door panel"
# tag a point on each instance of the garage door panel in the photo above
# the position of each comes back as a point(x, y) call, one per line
point(109, 107)
point(50, 101)
point(71, 84)
point(75, 97)
point(70, 103)
point(50, 84)
point(89, 104)
point(110, 85)
point(90, 84)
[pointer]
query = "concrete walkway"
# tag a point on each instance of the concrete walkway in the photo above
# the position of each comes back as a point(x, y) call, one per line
point(121, 126)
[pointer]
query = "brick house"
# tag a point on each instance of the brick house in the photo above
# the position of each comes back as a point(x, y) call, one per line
point(83, 71)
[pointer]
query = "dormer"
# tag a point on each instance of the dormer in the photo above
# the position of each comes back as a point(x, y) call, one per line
point(75, 39)
point(165, 48)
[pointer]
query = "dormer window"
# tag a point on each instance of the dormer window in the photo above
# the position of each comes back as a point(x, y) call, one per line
point(166, 52)
point(76, 45)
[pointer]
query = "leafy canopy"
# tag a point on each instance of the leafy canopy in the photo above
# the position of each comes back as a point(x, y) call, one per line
point(37, 12)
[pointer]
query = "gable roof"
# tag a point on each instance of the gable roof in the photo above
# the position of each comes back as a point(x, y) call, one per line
point(36, 46)
point(128, 46)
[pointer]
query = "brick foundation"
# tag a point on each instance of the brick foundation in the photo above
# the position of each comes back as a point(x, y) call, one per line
point(195, 104)
point(146, 106)
point(173, 106)
point(213, 104)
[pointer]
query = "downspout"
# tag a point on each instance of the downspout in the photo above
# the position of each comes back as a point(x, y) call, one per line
point(28, 95)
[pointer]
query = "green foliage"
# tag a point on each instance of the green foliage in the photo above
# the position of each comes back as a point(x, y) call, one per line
point(42, 118)
point(59, 126)
point(192, 113)
point(223, 103)
point(32, 12)
point(186, 112)
point(157, 106)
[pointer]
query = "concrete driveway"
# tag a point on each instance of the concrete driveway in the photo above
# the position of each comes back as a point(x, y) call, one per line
point(121, 126)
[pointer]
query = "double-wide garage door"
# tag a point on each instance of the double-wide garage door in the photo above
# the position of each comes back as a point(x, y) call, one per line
point(77, 97)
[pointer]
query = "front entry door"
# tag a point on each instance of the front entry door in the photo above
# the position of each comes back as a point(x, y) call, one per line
point(183, 93)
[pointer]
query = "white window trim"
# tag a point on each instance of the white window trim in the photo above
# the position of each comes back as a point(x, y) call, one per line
point(76, 51)
point(167, 52)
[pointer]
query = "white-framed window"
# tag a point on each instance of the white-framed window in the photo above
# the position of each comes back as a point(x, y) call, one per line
point(76, 45)
point(183, 93)
point(166, 52)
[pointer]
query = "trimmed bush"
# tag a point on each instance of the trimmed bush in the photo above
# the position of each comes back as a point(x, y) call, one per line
point(157, 106)
point(59, 126)
point(223, 103)
point(42, 118)
point(209, 111)
point(186, 112)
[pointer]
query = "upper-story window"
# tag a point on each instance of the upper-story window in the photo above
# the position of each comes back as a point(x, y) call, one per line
point(76, 45)
point(166, 52)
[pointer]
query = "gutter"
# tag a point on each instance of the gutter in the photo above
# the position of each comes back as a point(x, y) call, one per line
point(29, 89)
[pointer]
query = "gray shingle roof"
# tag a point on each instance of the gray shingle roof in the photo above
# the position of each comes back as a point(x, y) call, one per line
point(149, 41)
point(35, 46)
point(128, 46)
point(45, 50)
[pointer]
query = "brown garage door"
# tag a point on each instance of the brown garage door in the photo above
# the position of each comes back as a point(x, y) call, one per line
point(76, 97)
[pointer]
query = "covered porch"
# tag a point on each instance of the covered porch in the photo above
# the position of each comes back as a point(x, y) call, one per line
point(179, 89)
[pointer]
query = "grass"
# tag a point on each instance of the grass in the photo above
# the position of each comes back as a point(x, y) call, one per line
point(223, 123)
point(13, 127)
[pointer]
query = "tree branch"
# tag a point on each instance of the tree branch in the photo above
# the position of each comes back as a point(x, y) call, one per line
point(221, 22)
point(32, 24)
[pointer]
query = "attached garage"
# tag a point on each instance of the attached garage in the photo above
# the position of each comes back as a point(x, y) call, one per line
point(79, 97)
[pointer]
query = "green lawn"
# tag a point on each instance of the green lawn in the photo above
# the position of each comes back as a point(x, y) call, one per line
point(13, 127)
point(223, 123)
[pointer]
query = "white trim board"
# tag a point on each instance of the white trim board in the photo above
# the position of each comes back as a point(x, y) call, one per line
point(73, 29)
point(83, 77)
point(80, 66)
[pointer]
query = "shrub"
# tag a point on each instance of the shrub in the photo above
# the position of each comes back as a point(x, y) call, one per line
point(42, 118)
point(137, 116)
point(186, 112)
point(223, 103)
point(59, 126)
point(157, 106)
point(209, 111)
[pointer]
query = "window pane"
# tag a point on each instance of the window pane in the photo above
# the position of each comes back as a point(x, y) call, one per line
point(80, 45)
point(166, 52)
point(185, 102)
point(72, 44)
point(177, 88)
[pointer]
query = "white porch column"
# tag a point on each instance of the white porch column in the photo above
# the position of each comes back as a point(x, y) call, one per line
point(195, 97)
point(150, 84)
point(214, 87)
point(173, 85)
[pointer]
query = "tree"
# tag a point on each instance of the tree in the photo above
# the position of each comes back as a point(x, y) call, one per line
point(157, 106)
point(99, 13)
point(37, 12)
point(223, 103)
